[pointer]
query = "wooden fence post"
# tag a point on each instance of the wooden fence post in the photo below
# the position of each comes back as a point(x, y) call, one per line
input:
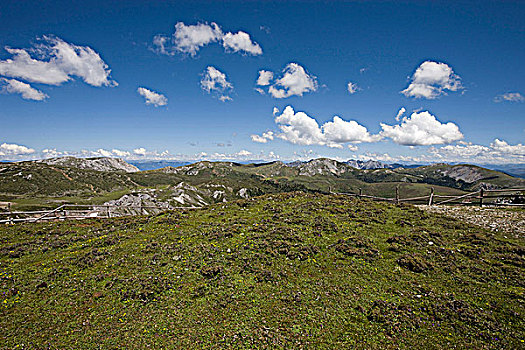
point(431, 199)
point(397, 195)
point(360, 192)
point(10, 217)
point(481, 197)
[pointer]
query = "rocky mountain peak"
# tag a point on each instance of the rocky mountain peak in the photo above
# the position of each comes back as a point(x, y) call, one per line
point(98, 164)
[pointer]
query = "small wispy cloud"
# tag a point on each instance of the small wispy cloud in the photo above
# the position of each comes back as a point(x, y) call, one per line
point(152, 98)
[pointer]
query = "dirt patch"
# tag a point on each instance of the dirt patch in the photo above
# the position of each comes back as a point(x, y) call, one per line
point(494, 219)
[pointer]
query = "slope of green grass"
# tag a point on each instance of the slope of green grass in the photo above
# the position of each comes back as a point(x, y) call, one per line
point(280, 271)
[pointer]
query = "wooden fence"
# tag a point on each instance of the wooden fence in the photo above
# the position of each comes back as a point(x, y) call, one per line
point(79, 211)
point(501, 197)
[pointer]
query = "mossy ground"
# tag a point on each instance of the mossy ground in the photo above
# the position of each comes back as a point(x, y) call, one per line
point(279, 271)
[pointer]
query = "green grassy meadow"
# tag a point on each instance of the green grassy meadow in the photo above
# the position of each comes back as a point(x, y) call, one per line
point(293, 270)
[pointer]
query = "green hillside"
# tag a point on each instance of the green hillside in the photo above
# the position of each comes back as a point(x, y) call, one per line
point(287, 271)
point(68, 180)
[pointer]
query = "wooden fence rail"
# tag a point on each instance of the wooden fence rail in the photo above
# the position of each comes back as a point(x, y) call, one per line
point(429, 199)
point(81, 211)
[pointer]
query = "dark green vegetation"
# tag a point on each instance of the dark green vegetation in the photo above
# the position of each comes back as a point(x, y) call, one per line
point(31, 185)
point(288, 271)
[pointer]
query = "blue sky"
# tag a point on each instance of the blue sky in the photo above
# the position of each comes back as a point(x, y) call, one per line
point(456, 69)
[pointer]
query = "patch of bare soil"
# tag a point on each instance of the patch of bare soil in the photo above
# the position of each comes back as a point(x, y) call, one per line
point(494, 219)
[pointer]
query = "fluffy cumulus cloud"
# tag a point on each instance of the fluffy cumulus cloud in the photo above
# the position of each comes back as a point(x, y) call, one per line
point(299, 128)
point(215, 81)
point(242, 42)
point(341, 131)
point(59, 62)
point(120, 153)
point(153, 98)
point(265, 77)
point(13, 86)
point(294, 81)
point(264, 138)
point(510, 97)
point(11, 149)
point(421, 128)
point(431, 80)
point(140, 151)
point(189, 39)
point(503, 147)
point(352, 88)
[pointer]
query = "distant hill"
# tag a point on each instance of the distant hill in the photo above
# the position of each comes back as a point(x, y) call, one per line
point(97, 180)
point(517, 170)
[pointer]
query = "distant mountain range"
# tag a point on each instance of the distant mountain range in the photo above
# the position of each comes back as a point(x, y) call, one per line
point(98, 180)
point(358, 164)
point(157, 164)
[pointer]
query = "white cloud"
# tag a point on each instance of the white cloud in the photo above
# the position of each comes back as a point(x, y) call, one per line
point(510, 97)
point(295, 81)
point(400, 113)
point(225, 98)
point(498, 152)
point(353, 148)
point(23, 66)
point(104, 153)
point(140, 151)
point(14, 149)
point(265, 77)
point(352, 88)
point(120, 153)
point(341, 131)
point(264, 138)
point(13, 86)
point(190, 38)
point(299, 128)
point(60, 61)
point(243, 153)
point(214, 80)
point(503, 147)
point(421, 129)
point(153, 98)
point(431, 79)
point(161, 44)
point(241, 41)
point(52, 153)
